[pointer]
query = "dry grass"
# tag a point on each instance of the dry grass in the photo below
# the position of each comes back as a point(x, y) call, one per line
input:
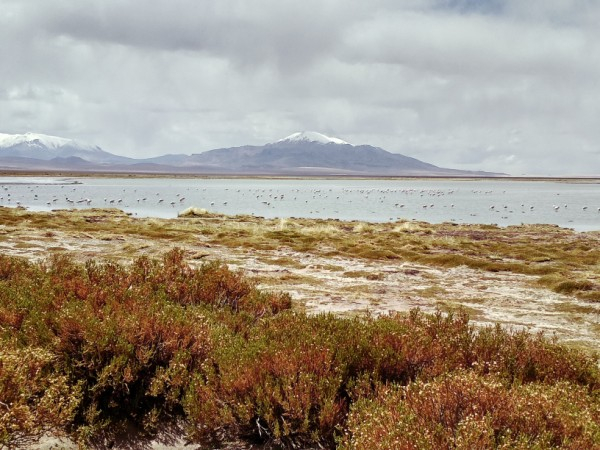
point(364, 274)
point(431, 292)
point(283, 262)
point(323, 256)
point(568, 307)
point(564, 261)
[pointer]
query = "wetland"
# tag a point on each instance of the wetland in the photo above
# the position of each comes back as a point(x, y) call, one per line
point(308, 325)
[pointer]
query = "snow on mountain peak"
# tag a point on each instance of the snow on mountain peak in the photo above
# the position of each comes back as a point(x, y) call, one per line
point(313, 136)
point(42, 140)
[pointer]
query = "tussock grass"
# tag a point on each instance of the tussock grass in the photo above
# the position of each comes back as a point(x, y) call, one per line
point(431, 292)
point(284, 262)
point(364, 274)
point(559, 257)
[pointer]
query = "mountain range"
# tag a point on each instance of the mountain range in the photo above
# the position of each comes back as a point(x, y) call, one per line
point(300, 154)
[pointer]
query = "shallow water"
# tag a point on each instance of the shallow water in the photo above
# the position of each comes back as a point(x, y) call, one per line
point(502, 202)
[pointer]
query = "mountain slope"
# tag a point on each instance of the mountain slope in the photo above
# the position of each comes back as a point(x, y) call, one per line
point(310, 152)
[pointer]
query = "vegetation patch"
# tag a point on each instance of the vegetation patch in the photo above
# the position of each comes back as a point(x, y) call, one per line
point(466, 410)
point(328, 267)
point(474, 300)
point(55, 248)
point(91, 349)
point(577, 308)
point(364, 274)
point(451, 307)
point(544, 251)
point(284, 262)
point(431, 292)
point(568, 284)
point(25, 245)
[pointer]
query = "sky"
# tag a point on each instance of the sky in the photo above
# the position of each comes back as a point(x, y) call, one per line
point(499, 85)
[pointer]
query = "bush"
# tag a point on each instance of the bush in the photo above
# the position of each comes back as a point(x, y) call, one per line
point(106, 346)
point(278, 381)
point(464, 410)
point(34, 398)
point(129, 338)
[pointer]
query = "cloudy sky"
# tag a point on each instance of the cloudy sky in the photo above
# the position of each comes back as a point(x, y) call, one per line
point(500, 85)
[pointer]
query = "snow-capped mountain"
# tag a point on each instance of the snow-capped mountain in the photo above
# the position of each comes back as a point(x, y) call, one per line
point(34, 139)
point(43, 147)
point(303, 153)
point(312, 136)
point(312, 153)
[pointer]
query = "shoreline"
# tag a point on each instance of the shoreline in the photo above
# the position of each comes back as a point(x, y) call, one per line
point(116, 174)
point(499, 201)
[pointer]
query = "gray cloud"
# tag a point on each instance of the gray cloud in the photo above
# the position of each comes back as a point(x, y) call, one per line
point(494, 85)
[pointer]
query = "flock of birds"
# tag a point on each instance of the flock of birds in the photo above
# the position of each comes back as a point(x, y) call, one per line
point(289, 201)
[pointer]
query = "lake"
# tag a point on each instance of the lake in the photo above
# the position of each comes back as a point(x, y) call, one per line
point(570, 204)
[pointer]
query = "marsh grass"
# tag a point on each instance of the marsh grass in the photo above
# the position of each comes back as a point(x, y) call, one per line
point(364, 274)
point(431, 292)
point(56, 248)
point(592, 296)
point(563, 260)
point(451, 307)
point(283, 262)
point(577, 308)
point(474, 300)
point(294, 278)
point(25, 244)
point(328, 267)
point(566, 283)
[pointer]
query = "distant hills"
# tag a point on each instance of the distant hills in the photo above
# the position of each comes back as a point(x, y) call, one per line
point(300, 154)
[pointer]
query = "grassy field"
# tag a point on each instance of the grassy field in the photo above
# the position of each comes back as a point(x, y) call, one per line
point(563, 260)
point(106, 332)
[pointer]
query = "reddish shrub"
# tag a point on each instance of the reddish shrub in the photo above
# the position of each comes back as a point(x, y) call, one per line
point(464, 410)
